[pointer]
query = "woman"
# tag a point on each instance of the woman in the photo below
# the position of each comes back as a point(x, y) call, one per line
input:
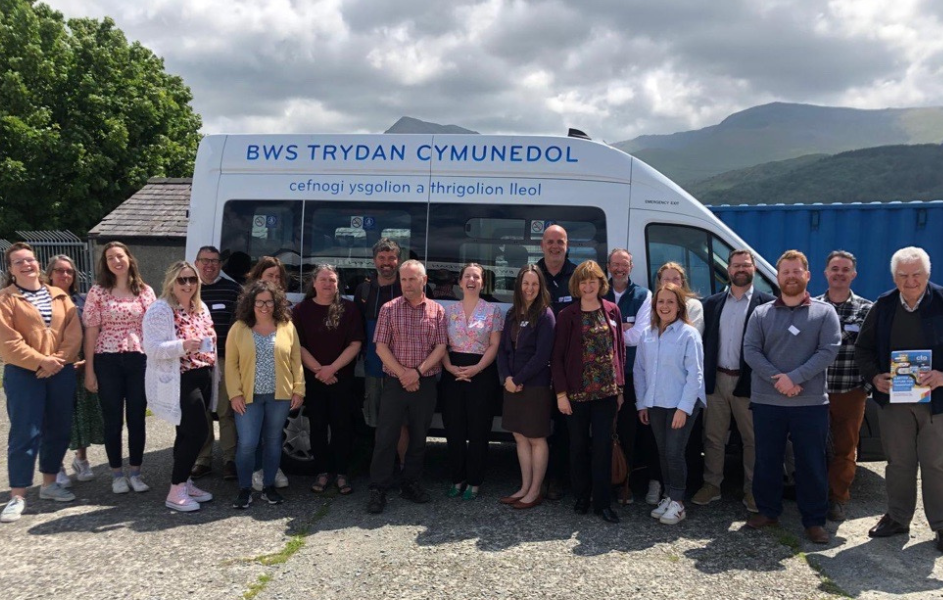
point(669, 385)
point(672, 272)
point(41, 338)
point(114, 358)
point(523, 366)
point(469, 382)
point(588, 354)
point(330, 331)
point(265, 381)
point(87, 427)
point(180, 344)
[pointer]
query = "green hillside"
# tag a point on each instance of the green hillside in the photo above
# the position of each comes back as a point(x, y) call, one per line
point(881, 174)
point(781, 131)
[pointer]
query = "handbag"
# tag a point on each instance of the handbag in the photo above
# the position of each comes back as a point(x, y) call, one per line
point(620, 468)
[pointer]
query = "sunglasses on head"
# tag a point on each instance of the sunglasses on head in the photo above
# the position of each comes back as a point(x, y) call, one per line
point(188, 280)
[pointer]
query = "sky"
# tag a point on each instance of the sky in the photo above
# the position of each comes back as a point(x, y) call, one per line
point(614, 68)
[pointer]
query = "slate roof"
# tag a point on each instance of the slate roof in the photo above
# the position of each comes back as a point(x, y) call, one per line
point(159, 209)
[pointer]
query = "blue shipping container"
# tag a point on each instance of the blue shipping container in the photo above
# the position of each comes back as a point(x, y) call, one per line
point(872, 232)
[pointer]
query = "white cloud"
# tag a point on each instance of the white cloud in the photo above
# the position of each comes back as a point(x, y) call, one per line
point(614, 69)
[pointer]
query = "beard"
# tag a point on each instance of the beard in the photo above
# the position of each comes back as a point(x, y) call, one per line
point(742, 279)
point(793, 287)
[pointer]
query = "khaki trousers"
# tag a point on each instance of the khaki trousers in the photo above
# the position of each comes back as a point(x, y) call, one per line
point(912, 436)
point(720, 406)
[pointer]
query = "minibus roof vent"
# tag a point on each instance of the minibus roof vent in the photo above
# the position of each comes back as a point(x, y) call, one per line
point(576, 133)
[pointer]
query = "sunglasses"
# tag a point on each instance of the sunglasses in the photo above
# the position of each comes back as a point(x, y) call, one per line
point(69, 272)
point(188, 280)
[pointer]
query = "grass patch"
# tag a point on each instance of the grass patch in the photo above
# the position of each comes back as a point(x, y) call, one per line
point(257, 587)
point(792, 542)
point(148, 413)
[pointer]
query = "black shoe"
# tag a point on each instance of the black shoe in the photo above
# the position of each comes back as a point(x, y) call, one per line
point(887, 527)
point(939, 541)
point(554, 491)
point(608, 515)
point(836, 512)
point(244, 499)
point(199, 471)
point(582, 506)
point(229, 471)
point(377, 501)
point(415, 492)
point(271, 495)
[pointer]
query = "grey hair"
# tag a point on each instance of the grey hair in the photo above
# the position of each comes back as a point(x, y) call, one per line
point(910, 254)
point(614, 250)
point(842, 254)
point(414, 264)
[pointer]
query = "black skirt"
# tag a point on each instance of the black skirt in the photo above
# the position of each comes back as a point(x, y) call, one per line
point(528, 412)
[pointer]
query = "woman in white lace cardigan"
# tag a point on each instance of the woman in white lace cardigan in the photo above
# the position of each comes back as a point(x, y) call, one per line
point(180, 345)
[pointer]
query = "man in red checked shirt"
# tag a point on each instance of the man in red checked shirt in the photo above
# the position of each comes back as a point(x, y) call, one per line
point(410, 340)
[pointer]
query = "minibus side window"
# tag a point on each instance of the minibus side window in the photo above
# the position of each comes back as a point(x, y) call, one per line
point(503, 239)
point(702, 254)
point(252, 229)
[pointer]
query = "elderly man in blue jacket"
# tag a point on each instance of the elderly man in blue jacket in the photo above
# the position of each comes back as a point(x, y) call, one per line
point(909, 317)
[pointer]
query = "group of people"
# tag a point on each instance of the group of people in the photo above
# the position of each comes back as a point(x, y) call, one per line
point(575, 347)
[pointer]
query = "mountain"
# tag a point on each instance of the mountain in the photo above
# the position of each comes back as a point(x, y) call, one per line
point(780, 131)
point(411, 125)
point(882, 174)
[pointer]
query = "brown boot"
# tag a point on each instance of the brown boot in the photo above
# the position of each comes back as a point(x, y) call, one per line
point(759, 521)
point(817, 534)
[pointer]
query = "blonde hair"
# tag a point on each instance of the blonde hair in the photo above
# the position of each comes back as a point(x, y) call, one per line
point(684, 277)
point(170, 277)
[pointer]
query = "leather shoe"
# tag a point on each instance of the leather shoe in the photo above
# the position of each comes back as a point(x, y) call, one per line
point(510, 499)
point(229, 471)
point(582, 506)
point(553, 492)
point(759, 521)
point(939, 541)
point(887, 527)
point(199, 471)
point(817, 534)
point(608, 515)
point(523, 505)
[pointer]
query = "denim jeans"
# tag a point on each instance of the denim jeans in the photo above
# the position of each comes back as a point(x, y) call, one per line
point(121, 393)
point(263, 421)
point(672, 444)
point(40, 412)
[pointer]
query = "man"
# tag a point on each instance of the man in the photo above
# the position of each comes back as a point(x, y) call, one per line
point(908, 318)
point(789, 344)
point(847, 391)
point(410, 339)
point(370, 296)
point(220, 295)
point(557, 270)
point(630, 298)
point(727, 376)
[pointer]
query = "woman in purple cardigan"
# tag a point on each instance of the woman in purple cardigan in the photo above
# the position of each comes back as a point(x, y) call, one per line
point(588, 354)
point(523, 366)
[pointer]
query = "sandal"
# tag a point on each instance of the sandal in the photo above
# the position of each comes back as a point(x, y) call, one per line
point(343, 486)
point(321, 483)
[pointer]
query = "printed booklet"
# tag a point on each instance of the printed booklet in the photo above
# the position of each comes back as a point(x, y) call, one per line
point(906, 365)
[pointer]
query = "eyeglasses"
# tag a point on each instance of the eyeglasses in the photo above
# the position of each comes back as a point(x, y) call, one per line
point(738, 266)
point(25, 261)
point(208, 261)
point(188, 280)
point(264, 303)
point(624, 265)
point(64, 271)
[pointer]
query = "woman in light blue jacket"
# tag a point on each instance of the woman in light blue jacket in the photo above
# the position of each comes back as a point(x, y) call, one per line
point(669, 389)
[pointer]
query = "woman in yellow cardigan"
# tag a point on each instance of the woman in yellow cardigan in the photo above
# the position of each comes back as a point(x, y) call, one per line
point(265, 382)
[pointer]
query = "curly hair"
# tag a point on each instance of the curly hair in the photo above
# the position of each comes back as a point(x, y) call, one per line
point(245, 306)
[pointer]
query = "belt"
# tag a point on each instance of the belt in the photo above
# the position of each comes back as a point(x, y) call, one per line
point(731, 372)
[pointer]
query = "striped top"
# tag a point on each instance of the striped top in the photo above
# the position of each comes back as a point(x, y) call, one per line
point(41, 300)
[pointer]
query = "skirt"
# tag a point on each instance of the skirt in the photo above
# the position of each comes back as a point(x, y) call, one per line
point(528, 412)
point(87, 426)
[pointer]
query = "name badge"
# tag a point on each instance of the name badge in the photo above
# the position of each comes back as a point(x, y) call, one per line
point(793, 330)
point(524, 323)
point(565, 299)
point(612, 323)
point(218, 307)
point(630, 319)
point(852, 327)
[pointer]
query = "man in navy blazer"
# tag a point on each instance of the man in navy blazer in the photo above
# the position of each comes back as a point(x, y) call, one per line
point(727, 376)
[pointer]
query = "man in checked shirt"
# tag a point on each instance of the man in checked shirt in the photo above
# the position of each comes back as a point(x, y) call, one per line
point(847, 390)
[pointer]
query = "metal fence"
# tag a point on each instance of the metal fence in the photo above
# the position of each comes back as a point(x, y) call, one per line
point(47, 244)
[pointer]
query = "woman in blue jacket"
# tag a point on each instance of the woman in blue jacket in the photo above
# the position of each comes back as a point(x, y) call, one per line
point(523, 366)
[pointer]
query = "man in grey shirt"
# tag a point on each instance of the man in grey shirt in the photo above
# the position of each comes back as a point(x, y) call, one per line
point(789, 344)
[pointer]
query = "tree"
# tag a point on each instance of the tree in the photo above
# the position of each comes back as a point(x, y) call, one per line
point(85, 119)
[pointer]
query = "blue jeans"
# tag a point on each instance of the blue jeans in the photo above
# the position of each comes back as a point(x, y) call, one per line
point(807, 427)
point(40, 412)
point(263, 421)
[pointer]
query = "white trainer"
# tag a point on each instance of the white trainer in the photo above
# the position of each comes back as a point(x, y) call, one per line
point(120, 485)
point(661, 508)
point(280, 480)
point(196, 493)
point(137, 484)
point(13, 510)
point(654, 492)
point(83, 470)
point(62, 478)
point(178, 499)
point(257, 480)
point(674, 515)
point(56, 492)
